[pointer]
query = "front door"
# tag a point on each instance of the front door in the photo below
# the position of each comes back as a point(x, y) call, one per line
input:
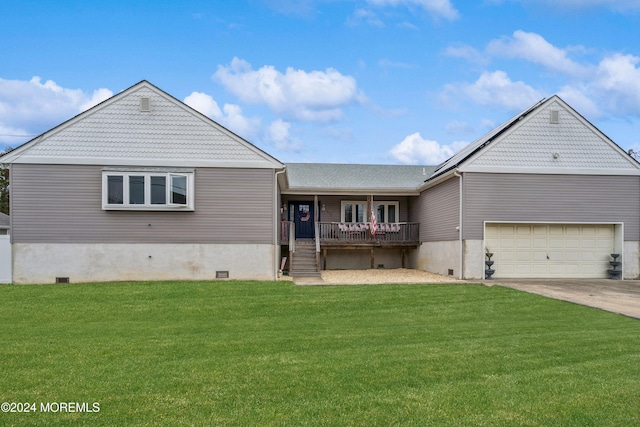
point(302, 213)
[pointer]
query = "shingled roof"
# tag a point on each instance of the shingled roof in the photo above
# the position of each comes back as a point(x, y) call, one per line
point(336, 178)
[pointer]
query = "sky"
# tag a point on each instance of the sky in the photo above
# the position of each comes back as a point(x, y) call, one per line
point(335, 81)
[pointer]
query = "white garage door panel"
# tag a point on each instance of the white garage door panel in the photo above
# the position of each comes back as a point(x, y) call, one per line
point(550, 250)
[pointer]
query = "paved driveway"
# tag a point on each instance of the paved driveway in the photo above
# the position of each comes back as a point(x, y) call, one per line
point(617, 296)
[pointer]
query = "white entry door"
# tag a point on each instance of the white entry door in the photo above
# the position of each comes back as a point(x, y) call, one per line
point(5, 259)
point(550, 250)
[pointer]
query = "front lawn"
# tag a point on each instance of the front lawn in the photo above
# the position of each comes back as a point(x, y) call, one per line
point(250, 353)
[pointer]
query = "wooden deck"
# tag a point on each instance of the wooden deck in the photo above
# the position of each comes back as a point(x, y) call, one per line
point(358, 235)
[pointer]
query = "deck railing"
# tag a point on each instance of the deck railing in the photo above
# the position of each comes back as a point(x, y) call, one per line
point(288, 234)
point(361, 233)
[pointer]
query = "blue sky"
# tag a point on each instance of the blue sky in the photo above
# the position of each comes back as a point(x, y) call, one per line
point(362, 81)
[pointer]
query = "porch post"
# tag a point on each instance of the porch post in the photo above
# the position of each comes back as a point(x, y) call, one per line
point(370, 219)
point(316, 228)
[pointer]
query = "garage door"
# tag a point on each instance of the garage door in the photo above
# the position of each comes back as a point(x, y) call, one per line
point(550, 250)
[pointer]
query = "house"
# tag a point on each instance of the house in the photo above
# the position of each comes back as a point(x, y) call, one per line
point(339, 198)
point(546, 192)
point(142, 187)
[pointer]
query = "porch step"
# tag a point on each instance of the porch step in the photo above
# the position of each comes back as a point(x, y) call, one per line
point(303, 262)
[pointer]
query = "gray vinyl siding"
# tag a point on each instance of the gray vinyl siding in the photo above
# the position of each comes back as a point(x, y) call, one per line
point(63, 204)
point(550, 198)
point(438, 212)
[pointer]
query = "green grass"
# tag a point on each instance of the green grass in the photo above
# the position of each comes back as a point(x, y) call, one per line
point(249, 353)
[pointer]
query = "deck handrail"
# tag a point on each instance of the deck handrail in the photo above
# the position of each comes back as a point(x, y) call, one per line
point(288, 234)
point(361, 232)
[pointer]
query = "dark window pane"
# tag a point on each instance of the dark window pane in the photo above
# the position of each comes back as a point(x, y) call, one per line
point(179, 190)
point(380, 213)
point(158, 190)
point(359, 213)
point(348, 213)
point(115, 190)
point(392, 213)
point(136, 190)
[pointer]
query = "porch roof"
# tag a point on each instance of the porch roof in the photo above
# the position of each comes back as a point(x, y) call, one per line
point(334, 178)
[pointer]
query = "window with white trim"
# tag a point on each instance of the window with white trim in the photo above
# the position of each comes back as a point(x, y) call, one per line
point(147, 190)
point(386, 211)
point(353, 212)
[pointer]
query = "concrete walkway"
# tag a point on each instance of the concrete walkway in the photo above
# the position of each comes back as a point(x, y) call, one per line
point(616, 296)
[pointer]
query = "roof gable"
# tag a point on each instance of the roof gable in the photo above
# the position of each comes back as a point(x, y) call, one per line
point(538, 143)
point(118, 132)
point(477, 145)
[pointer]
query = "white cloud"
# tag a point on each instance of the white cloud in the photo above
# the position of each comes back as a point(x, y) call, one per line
point(98, 96)
point(230, 116)
point(246, 127)
point(611, 86)
point(204, 103)
point(618, 84)
point(534, 48)
point(442, 8)
point(278, 133)
point(12, 137)
point(576, 97)
point(309, 96)
point(416, 150)
point(493, 89)
point(31, 107)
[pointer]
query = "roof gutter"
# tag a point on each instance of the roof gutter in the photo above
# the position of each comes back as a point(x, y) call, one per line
point(276, 222)
point(461, 260)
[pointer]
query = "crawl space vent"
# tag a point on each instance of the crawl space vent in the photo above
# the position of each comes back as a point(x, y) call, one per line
point(222, 274)
point(555, 116)
point(62, 280)
point(145, 104)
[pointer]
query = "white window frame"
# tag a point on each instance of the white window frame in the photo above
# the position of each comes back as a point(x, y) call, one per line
point(354, 218)
point(366, 218)
point(147, 174)
point(386, 210)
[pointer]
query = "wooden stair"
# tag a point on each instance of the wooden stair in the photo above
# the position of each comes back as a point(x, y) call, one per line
point(303, 262)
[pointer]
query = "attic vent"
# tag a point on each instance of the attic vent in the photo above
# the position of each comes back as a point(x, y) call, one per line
point(145, 104)
point(555, 116)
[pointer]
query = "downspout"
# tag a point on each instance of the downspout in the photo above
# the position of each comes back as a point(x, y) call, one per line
point(455, 173)
point(276, 223)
